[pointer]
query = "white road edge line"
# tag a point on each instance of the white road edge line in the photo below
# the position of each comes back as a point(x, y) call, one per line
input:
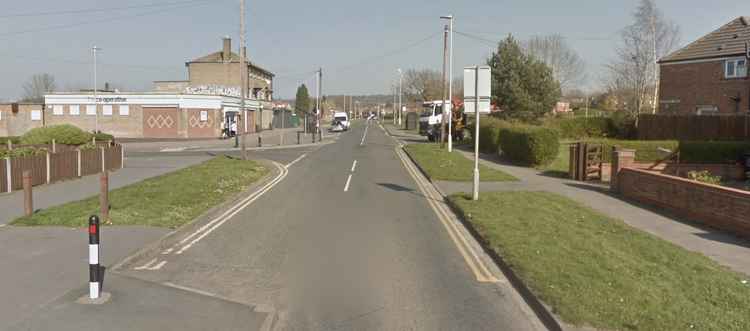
point(158, 266)
point(348, 180)
point(239, 208)
point(189, 289)
point(481, 272)
point(354, 165)
point(231, 209)
point(145, 266)
point(295, 161)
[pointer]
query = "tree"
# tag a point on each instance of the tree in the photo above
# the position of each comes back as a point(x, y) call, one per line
point(39, 85)
point(302, 100)
point(635, 68)
point(522, 86)
point(422, 85)
point(567, 66)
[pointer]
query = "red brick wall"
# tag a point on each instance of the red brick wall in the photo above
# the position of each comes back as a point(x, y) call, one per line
point(695, 84)
point(715, 206)
point(206, 129)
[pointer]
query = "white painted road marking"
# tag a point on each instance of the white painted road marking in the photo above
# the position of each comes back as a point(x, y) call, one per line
point(158, 266)
point(232, 211)
point(362, 143)
point(481, 272)
point(296, 160)
point(348, 180)
point(145, 266)
point(354, 165)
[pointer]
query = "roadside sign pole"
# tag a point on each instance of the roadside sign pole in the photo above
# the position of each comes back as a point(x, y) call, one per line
point(476, 133)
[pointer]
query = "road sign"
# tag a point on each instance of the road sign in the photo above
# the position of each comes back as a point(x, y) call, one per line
point(477, 82)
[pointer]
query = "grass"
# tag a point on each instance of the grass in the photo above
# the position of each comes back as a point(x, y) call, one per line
point(170, 200)
point(441, 165)
point(560, 165)
point(597, 271)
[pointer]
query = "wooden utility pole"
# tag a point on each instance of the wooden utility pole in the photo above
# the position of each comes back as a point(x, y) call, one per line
point(443, 128)
point(243, 73)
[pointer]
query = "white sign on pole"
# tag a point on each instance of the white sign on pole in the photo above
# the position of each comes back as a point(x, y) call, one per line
point(484, 89)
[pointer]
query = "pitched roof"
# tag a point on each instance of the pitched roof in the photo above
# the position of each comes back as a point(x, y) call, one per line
point(218, 57)
point(728, 40)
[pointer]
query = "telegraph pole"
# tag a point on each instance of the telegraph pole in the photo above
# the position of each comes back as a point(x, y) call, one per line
point(443, 131)
point(243, 73)
point(450, 88)
point(317, 99)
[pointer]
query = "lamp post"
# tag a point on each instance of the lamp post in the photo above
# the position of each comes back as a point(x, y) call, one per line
point(94, 50)
point(449, 108)
point(400, 89)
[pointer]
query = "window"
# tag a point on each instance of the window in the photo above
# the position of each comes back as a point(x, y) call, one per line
point(124, 110)
point(736, 68)
point(707, 110)
point(91, 110)
point(107, 110)
point(74, 110)
point(36, 115)
point(57, 110)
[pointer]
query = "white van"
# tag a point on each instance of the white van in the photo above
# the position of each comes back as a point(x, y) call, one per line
point(342, 118)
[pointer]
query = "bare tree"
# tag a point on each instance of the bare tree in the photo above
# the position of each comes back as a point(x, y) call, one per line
point(422, 85)
point(39, 85)
point(567, 66)
point(650, 37)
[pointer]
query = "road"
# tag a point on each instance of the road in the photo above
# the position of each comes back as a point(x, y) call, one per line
point(344, 239)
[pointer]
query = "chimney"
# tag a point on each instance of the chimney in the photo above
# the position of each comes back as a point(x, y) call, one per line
point(106, 86)
point(226, 54)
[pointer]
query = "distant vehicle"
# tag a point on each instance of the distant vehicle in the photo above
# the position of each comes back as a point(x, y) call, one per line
point(431, 119)
point(342, 118)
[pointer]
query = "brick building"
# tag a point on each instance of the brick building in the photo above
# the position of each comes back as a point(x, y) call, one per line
point(710, 75)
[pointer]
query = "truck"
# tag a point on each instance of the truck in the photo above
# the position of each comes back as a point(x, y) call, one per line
point(431, 120)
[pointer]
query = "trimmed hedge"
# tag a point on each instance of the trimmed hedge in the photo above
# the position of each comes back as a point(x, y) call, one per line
point(489, 134)
point(101, 136)
point(713, 151)
point(14, 140)
point(581, 127)
point(62, 134)
point(529, 145)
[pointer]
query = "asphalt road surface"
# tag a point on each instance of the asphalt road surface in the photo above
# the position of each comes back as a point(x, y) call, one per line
point(343, 239)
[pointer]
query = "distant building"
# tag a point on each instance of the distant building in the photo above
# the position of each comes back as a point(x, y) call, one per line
point(562, 107)
point(710, 75)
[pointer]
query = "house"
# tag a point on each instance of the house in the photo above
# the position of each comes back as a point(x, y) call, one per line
point(710, 75)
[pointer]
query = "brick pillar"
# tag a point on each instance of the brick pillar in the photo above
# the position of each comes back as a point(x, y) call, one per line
point(622, 158)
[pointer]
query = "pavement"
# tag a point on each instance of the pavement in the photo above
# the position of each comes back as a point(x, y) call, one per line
point(722, 247)
point(334, 244)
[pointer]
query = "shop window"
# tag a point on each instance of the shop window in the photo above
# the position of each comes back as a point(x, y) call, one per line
point(74, 110)
point(57, 110)
point(107, 110)
point(124, 110)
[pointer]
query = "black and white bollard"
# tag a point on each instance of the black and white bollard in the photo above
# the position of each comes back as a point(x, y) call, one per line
point(94, 281)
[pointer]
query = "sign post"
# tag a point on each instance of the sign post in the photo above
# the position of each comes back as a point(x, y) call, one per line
point(477, 93)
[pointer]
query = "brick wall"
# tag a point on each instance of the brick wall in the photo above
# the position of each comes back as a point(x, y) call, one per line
point(116, 123)
point(16, 124)
point(700, 84)
point(719, 207)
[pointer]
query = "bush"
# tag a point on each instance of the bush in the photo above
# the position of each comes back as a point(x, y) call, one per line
point(582, 127)
point(529, 145)
point(704, 177)
point(62, 134)
point(101, 136)
point(713, 151)
point(21, 152)
point(489, 134)
point(14, 140)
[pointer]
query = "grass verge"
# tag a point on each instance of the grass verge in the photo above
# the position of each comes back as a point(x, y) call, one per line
point(560, 166)
point(441, 165)
point(170, 200)
point(597, 271)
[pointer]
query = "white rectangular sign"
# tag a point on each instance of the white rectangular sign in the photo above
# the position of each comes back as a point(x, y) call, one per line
point(477, 82)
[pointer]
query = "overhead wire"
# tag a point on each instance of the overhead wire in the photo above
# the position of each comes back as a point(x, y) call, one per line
point(96, 10)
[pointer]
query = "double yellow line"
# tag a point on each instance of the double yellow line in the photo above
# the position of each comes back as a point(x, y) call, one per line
point(435, 199)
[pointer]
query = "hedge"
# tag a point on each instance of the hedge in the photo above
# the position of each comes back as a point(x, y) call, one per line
point(646, 150)
point(489, 134)
point(529, 145)
point(62, 134)
point(14, 140)
point(101, 136)
point(582, 127)
point(713, 151)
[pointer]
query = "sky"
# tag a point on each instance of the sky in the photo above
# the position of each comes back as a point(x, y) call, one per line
point(358, 44)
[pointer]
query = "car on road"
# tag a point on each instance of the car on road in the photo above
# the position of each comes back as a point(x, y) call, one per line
point(343, 119)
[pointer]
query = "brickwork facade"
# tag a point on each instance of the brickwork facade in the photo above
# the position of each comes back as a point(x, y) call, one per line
point(688, 87)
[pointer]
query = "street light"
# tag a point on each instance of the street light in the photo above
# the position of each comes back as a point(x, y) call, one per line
point(449, 107)
point(96, 105)
point(400, 86)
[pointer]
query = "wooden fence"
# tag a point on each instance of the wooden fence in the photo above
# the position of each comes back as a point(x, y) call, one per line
point(53, 167)
point(694, 127)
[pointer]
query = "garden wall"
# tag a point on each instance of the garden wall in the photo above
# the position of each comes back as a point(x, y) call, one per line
point(716, 206)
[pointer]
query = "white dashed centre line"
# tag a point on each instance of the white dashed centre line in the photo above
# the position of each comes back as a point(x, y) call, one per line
point(348, 181)
point(354, 165)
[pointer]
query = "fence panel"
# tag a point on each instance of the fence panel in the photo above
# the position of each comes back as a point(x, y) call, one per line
point(114, 157)
point(3, 175)
point(694, 127)
point(38, 166)
point(91, 162)
point(63, 166)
